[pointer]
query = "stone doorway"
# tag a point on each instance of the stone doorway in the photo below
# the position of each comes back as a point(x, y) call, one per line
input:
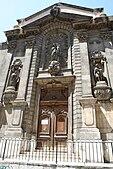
point(53, 115)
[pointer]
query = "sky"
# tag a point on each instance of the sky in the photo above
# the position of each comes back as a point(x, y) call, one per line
point(11, 10)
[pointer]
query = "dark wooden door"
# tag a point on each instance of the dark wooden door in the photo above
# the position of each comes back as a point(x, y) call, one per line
point(53, 115)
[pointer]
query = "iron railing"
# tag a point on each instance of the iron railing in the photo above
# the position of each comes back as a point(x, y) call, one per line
point(44, 151)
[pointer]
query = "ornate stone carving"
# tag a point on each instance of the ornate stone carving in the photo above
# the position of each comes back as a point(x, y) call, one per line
point(30, 42)
point(83, 37)
point(55, 11)
point(98, 60)
point(12, 45)
point(14, 78)
point(55, 52)
point(14, 74)
point(106, 36)
point(102, 92)
point(54, 67)
point(55, 49)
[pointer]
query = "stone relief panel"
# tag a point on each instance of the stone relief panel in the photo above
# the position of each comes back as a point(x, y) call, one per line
point(55, 48)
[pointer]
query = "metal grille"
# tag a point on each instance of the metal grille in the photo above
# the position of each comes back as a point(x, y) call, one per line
point(44, 151)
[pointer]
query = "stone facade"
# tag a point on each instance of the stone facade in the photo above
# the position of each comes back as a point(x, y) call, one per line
point(63, 47)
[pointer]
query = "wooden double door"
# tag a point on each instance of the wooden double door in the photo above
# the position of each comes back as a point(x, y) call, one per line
point(53, 117)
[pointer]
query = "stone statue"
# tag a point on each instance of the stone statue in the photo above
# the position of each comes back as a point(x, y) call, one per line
point(99, 65)
point(14, 75)
point(98, 74)
point(55, 52)
point(54, 67)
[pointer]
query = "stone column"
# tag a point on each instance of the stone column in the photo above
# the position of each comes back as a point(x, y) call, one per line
point(88, 129)
point(86, 79)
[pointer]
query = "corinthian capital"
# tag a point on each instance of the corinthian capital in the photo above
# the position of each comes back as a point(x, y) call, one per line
point(82, 36)
point(106, 35)
point(30, 42)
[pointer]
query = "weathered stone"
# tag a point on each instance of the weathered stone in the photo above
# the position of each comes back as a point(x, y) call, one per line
point(56, 85)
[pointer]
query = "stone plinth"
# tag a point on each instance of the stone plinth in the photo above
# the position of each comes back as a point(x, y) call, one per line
point(102, 92)
point(15, 127)
point(88, 129)
point(9, 95)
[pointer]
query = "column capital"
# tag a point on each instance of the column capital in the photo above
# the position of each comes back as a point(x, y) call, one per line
point(30, 42)
point(12, 45)
point(107, 36)
point(82, 36)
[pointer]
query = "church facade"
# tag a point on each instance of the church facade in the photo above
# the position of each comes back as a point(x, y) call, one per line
point(56, 85)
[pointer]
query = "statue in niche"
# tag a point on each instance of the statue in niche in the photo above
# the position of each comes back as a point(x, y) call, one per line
point(54, 67)
point(55, 52)
point(99, 63)
point(14, 75)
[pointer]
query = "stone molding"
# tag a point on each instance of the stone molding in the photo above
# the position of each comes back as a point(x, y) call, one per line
point(91, 26)
point(88, 101)
point(65, 26)
point(21, 34)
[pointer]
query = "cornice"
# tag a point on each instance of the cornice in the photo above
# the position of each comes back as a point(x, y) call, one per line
point(92, 26)
point(16, 34)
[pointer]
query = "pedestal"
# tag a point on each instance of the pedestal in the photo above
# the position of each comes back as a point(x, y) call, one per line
point(88, 130)
point(15, 127)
